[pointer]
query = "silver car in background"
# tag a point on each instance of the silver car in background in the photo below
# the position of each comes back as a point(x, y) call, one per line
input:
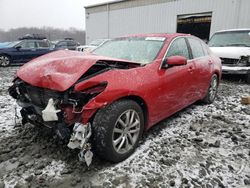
point(94, 44)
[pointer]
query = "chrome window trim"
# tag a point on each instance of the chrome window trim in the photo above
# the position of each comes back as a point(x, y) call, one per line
point(185, 37)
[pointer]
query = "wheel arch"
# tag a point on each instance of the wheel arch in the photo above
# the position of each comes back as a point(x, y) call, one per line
point(140, 101)
point(218, 74)
point(5, 54)
point(142, 104)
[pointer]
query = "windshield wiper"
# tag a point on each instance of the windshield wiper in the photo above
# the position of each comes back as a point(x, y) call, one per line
point(244, 45)
point(217, 46)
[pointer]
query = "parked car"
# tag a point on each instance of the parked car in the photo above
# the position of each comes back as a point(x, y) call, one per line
point(233, 47)
point(66, 43)
point(108, 98)
point(94, 44)
point(22, 51)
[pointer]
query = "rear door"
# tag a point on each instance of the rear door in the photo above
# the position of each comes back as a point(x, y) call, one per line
point(43, 47)
point(203, 66)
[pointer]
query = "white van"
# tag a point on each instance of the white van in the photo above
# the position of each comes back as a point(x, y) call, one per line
point(233, 47)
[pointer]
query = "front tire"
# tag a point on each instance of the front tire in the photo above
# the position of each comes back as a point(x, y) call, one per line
point(212, 90)
point(4, 61)
point(117, 130)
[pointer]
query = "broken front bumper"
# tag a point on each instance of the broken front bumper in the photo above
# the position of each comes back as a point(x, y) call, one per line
point(235, 70)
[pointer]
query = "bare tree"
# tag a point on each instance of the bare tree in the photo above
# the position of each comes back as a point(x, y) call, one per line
point(50, 32)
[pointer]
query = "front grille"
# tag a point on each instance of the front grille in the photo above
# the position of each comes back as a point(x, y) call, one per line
point(39, 96)
point(229, 61)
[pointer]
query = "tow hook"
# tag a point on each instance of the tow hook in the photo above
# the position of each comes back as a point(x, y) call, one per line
point(79, 139)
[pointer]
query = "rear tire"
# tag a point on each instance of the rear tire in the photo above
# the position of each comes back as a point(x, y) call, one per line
point(212, 90)
point(248, 78)
point(117, 130)
point(4, 61)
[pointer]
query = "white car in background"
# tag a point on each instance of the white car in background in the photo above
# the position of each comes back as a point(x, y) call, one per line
point(233, 47)
point(94, 44)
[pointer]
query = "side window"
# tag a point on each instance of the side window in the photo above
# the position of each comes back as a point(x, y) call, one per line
point(196, 47)
point(178, 47)
point(28, 45)
point(205, 48)
point(42, 44)
point(71, 43)
point(62, 44)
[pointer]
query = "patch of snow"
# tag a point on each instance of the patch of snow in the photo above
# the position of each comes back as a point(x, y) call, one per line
point(54, 169)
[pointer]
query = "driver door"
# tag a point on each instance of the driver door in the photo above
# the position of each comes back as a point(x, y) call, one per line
point(175, 81)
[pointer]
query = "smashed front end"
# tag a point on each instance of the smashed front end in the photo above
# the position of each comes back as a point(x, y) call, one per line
point(60, 90)
point(236, 66)
point(60, 111)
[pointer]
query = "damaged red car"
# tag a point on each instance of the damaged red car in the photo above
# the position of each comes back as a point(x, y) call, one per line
point(105, 100)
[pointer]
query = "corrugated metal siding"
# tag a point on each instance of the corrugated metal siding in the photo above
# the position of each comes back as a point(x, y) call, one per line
point(226, 14)
point(97, 26)
point(244, 16)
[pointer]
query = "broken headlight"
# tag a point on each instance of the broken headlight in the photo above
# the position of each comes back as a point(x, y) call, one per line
point(79, 99)
point(244, 61)
point(95, 90)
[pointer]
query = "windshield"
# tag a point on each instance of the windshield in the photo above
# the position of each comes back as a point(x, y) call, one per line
point(230, 38)
point(142, 50)
point(12, 44)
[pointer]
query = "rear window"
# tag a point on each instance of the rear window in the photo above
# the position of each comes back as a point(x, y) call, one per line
point(196, 47)
point(71, 43)
point(42, 44)
point(205, 49)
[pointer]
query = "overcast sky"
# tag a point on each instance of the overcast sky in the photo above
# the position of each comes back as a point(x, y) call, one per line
point(38, 13)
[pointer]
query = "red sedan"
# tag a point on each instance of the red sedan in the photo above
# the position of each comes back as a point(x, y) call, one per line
point(106, 99)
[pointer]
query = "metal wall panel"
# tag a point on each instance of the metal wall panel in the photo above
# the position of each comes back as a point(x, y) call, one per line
point(226, 14)
point(244, 14)
point(96, 26)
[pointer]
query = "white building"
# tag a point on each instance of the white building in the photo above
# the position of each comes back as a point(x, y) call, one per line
point(198, 17)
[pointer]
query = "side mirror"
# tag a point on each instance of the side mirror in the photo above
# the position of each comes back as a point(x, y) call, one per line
point(174, 61)
point(18, 47)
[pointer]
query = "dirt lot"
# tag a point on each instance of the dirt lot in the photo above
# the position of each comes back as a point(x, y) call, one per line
point(202, 146)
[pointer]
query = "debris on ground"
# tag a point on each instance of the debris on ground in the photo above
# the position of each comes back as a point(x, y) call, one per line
point(201, 146)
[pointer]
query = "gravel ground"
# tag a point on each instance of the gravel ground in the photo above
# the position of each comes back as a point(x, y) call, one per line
point(202, 146)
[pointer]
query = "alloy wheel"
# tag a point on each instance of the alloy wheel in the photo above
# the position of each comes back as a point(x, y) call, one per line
point(126, 131)
point(4, 61)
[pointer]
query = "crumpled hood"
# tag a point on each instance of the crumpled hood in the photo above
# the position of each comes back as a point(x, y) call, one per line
point(231, 52)
point(58, 70)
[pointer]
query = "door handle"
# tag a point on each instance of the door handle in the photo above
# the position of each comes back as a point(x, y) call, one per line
point(210, 62)
point(190, 69)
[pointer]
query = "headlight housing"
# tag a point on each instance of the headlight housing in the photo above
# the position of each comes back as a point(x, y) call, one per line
point(244, 61)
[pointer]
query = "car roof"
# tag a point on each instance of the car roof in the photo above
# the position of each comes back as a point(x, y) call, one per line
point(228, 30)
point(166, 35)
point(33, 40)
